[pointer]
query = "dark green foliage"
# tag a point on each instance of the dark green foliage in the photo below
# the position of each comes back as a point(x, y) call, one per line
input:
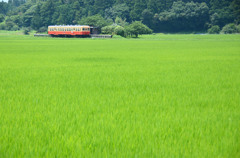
point(26, 30)
point(42, 29)
point(229, 29)
point(118, 10)
point(136, 12)
point(159, 15)
point(214, 29)
point(9, 25)
point(14, 28)
point(4, 7)
point(2, 26)
point(121, 22)
point(2, 18)
point(95, 20)
point(47, 11)
point(147, 17)
point(221, 12)
point(236, 10)
point(238, 28)
point(36, 22)
point(185, 16)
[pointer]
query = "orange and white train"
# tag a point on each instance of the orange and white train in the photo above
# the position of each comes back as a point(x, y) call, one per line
point(69, 30)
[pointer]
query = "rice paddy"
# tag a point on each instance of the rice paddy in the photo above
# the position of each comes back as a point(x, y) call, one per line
point(156, 96)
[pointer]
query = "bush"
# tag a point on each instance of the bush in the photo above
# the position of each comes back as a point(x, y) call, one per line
point(137, 28)
point(238, 28)
point(2, 26)
point(2, 18)
point(108, 29)
point(42, 29)
point(26, 31)
point(9, 25)
point(119, 30)
point(214, 30)
point(14, 28)
point(229, 29)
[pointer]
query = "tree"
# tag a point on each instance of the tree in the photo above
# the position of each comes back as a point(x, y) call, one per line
point(121, 22)
point(221, 12)
point(118, 10)
point(101, 5)
point(236, 10)
point(95, 20)
point(65, 14)
point(214, 29)
point(47, 11)
point(229, 29)
point(3, 8)
point(119, 30)
point(185, 16)
point(2, 17)
point(147, 17)
point(36, 22)
point(137, 28)
point(9, 24)
point(108, 29)
point(136, 12)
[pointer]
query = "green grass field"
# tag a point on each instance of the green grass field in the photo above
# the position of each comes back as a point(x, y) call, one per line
point(156, 96)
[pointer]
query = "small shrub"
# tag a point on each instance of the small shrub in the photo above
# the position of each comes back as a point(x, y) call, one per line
point(229, 29)
point(42, 29)
point(26, 31)
point(238, 28)
point(2, 18)
point(9, 25)
point(108, 29)
point(14, 28)
point(119, 30)
point(2, 26)
point(214, 30)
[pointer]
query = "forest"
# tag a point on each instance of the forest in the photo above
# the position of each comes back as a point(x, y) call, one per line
point(158, 15)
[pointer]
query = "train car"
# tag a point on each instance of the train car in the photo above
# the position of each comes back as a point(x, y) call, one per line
point(69, 30)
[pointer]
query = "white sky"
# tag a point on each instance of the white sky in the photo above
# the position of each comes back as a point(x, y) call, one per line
point(4, 0)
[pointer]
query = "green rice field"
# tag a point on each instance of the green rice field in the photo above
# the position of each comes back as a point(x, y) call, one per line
point(155, 96)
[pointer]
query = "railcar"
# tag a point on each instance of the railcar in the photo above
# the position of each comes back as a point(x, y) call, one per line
point(69, 30)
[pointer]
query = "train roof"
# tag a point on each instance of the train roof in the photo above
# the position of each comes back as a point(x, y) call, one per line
point(68, 26)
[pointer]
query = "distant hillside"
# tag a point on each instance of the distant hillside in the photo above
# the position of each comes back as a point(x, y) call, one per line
point(159, 15)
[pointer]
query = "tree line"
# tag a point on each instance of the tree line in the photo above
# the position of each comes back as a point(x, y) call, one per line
point(158, 15)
